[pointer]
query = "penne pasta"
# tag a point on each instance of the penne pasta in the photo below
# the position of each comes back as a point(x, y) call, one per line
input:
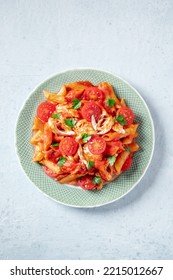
point(115, 135)
point(122, 102)
point(47, 137)
point(129, 139)
point(38, 124)
point(56, 97)
point(121, 160)
point(69, 178)
point(36, 137)
point(76, 86)
point(52, 166)
point(109, 91)
point(134, 147)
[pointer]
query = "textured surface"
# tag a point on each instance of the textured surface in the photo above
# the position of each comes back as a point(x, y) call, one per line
point(70, 195)
point(132, 39)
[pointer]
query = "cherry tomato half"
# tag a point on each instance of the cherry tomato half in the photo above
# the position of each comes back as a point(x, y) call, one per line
point(50, 173)
point(97, 145)
point(89, 109)
point(68, 146)
point(127, 113)
point(127, 164)
point(86, 183)
point(94, 93)
point(45, 110)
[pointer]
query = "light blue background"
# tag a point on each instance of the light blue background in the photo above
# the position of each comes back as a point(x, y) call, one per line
point(130, 38)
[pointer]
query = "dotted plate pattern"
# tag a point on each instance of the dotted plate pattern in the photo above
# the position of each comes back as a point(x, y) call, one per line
point(71, 195)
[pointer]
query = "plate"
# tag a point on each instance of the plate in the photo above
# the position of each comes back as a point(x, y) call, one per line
point(71, 195)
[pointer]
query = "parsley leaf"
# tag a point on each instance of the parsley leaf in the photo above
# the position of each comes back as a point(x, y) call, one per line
point(86, 137)
point(70, 122)
point(121, 120)
point(96, 180)
point(90, 164)
point(127, 149)
point(56, 116)
point(55, 144)
point(76, 103)
point(110, 102)
point(111, 160)
point(61, 161)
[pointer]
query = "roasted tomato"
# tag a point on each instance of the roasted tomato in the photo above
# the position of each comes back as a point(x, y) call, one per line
point(68, 146)
point(91, 109)
point(97, 145)
point(127, 113)
point(94, 94)
point(45, 110)
point(86, 183)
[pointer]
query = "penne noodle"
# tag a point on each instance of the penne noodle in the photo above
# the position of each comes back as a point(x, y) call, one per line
point(69, 178)
point(110, 92)
point(47, 137)
point(37, 137)
point(132, 128)
point(38, 156)
point(104, 169)
point(122, 102)
point(129, 139)
point(38, 124)
point(114, 135)
point(61, 176)
point(121, 160)
point(52, 166)
point(74, 182)
point(134, 147)
point(56, 97)
point(76, 86)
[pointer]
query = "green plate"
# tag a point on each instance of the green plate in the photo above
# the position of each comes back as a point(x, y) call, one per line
point(71, 195)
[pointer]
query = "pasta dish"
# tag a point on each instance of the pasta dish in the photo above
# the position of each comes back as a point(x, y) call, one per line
point(84, 135)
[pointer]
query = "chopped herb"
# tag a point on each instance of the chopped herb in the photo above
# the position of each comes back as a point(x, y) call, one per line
point(112, 160)
point(70, 122)
point(56, 116)
point(127, 149)
point(110, 102)
point(96, 180)
point(55, 144)
point(90, 164)
point(86, 137)
point(76, 103)
point(61, 161)
point(121, 120)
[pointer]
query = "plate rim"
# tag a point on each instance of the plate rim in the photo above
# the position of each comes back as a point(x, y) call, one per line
point(106, 72)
